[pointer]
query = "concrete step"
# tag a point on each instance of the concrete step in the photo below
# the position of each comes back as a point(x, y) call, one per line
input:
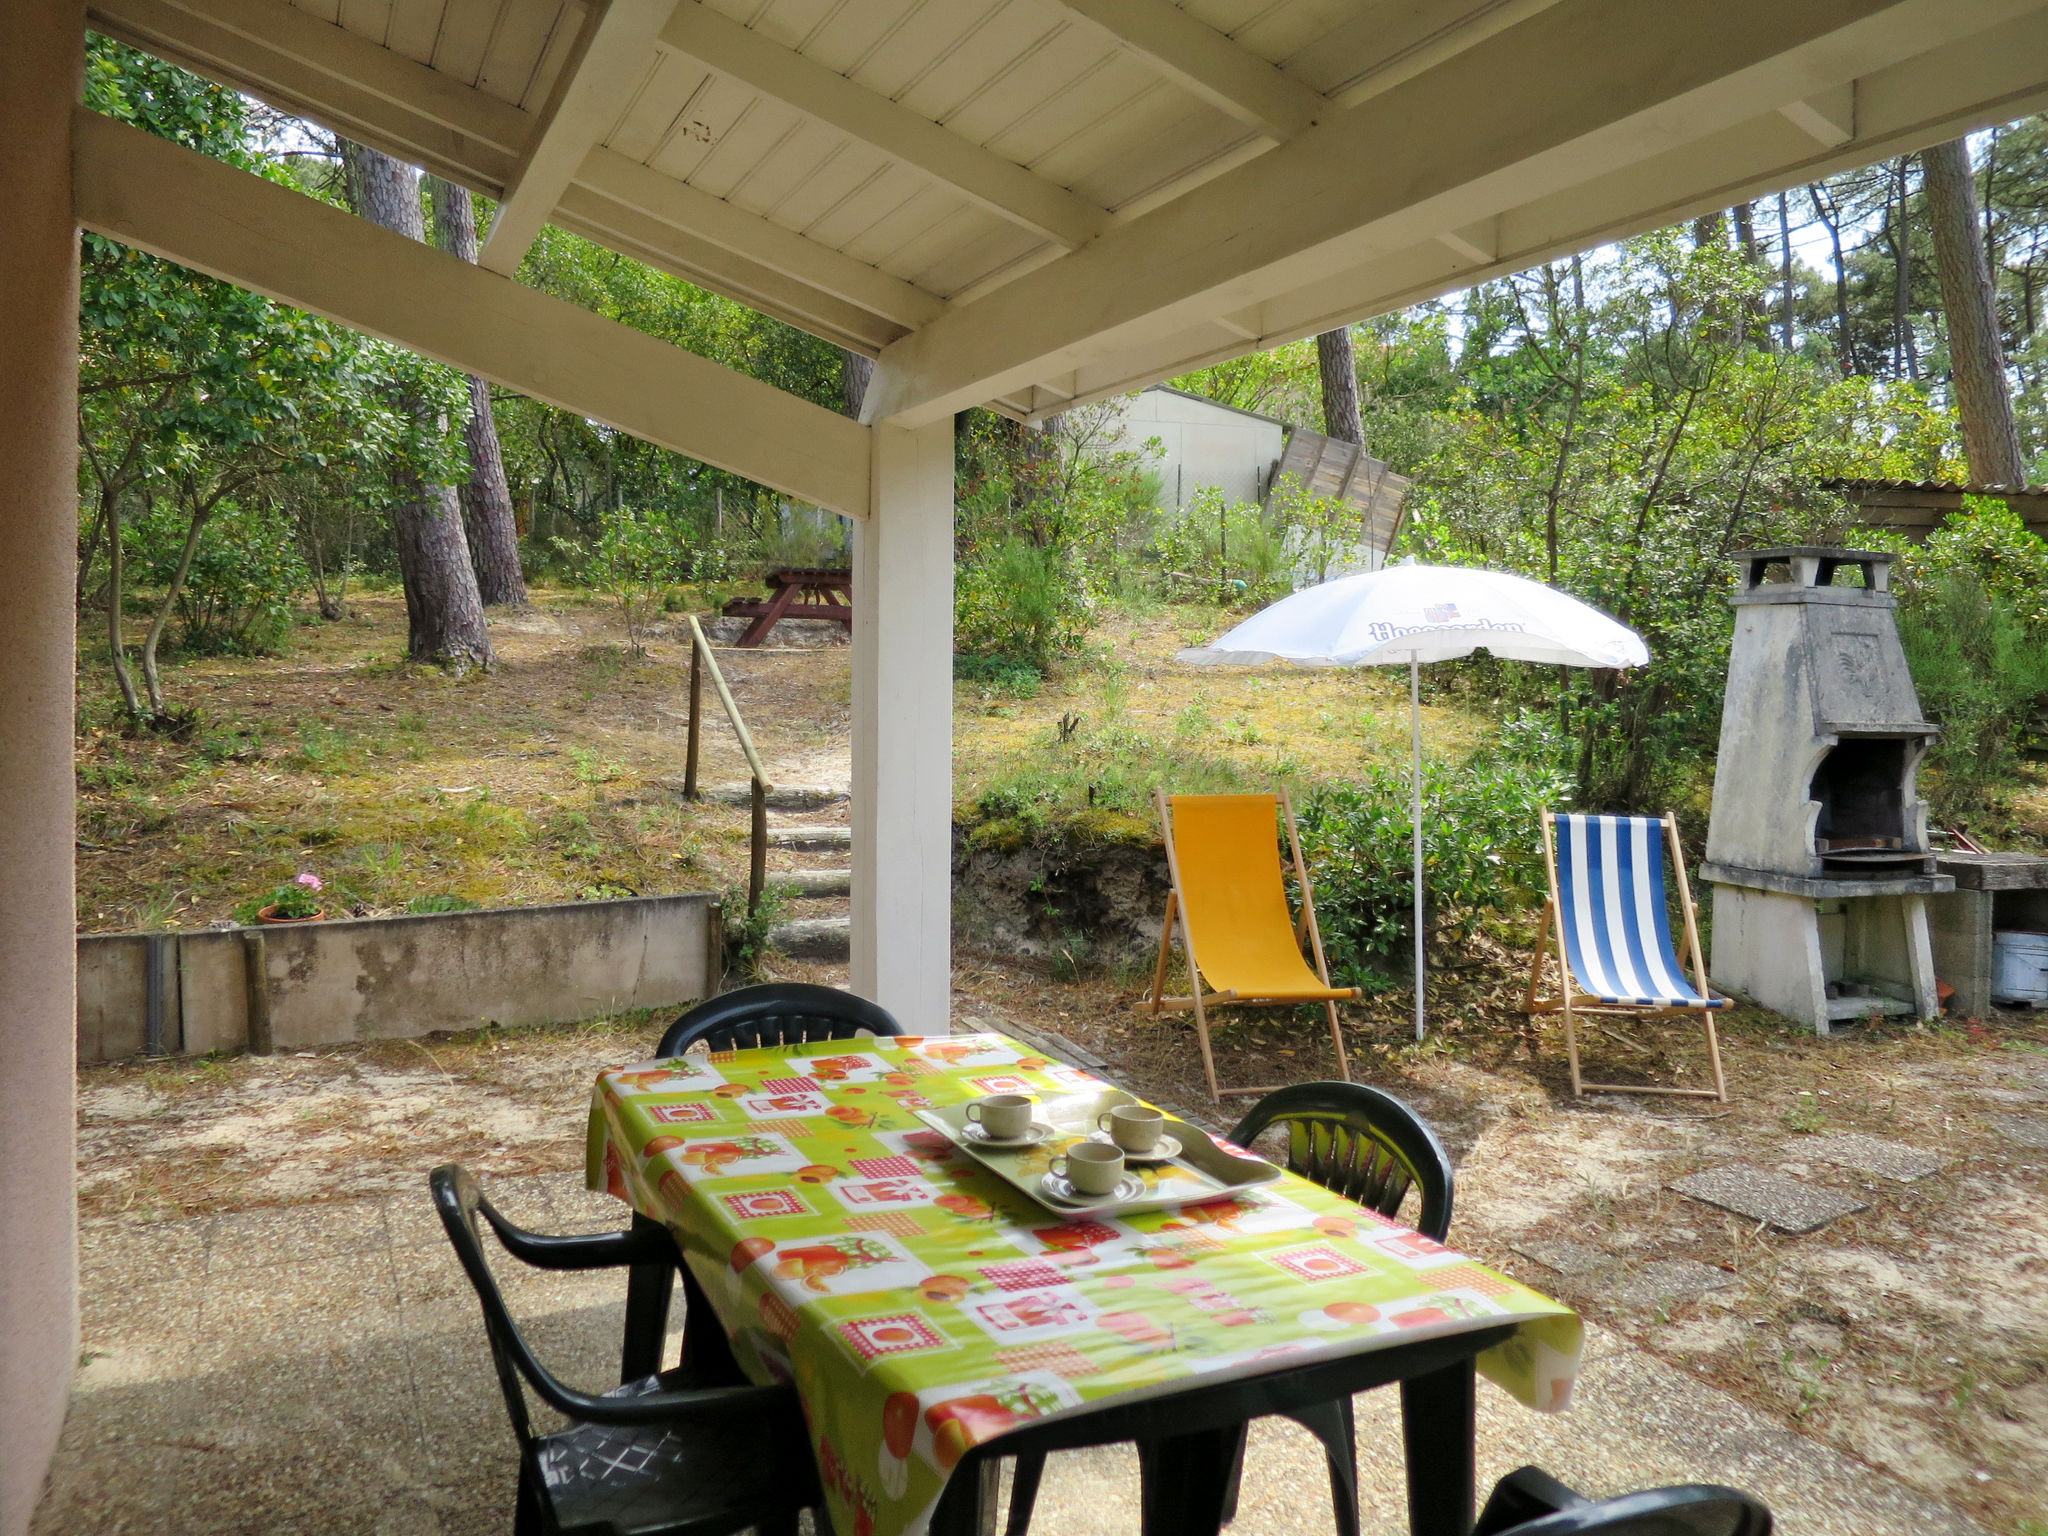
point(810, 837)
point(814, 938)
point(780, 797)
point(803, 883)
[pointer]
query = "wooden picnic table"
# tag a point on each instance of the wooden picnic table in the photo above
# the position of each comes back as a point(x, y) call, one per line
point(796, 593)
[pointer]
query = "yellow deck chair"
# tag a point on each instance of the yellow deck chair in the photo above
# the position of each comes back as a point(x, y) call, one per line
point(1231, 901)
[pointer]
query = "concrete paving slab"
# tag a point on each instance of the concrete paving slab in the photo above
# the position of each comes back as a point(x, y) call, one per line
point(1867, 1154)
point(400, 1430)
point(1784, 1203)
point(2026, 1130)
point(1574, 1260)
point(1664, 1282)
point(151, 1250)
point(294, 1233)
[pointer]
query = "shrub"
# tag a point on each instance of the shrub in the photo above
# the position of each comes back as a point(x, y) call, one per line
point(1481, 853)
point(1983, 677)
point(237, 596)
point(638, 556)
point(1222, 552)
point(1021, 602)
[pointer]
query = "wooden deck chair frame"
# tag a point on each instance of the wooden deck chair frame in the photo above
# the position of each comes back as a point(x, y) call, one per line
point(1566, 1000)
point(1200, 1000)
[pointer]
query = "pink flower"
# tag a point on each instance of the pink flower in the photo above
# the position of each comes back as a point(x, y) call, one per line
point(309, 880)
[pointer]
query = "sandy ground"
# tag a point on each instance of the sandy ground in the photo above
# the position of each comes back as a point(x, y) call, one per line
point(1912, 1335)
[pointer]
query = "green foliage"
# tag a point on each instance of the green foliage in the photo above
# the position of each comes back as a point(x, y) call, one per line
point(1480, 851)
point(446, 902)
point(638, 555)
point(1973, 618)
point(1228, 554)
point(1047, 522)
point(236, 597)
point(999, 675)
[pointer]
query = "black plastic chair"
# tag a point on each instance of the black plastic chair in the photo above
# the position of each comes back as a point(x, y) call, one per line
point(1370, 1148)
point(776, 1013)
point(660, 1456)
point(1360, 1143)
point(1533, 1503)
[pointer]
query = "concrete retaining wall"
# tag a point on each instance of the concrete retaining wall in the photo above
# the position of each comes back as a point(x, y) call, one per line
point(291, 987)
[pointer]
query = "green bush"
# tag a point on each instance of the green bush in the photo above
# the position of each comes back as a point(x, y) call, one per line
point(1021, 602)
point(1222, 552)
point(1009, 676)
point(1481, 853)
point(1982, 674)
point(638, 556)
point(237, 597)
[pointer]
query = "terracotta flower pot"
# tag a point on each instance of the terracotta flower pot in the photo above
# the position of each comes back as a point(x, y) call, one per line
point(269, 915)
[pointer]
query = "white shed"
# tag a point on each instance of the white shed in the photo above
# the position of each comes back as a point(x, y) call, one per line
point(1202, 443)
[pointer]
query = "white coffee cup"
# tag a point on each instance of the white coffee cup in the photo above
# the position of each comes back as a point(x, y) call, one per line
point(1092, 1167)
point(1134, 1127)
point(1003, 1116)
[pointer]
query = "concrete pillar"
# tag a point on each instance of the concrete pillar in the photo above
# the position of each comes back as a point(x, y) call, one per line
point(903, 730)
point(40, 73)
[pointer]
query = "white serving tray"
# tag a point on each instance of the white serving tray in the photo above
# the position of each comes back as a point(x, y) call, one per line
point(1203, 1171)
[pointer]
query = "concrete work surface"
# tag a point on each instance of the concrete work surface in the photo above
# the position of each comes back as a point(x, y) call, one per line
point(322, 1369)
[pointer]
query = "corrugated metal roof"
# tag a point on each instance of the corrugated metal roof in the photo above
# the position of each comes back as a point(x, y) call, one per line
point(1946, 487)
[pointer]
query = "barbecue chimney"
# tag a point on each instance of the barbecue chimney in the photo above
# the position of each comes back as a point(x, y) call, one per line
point(1817, 848)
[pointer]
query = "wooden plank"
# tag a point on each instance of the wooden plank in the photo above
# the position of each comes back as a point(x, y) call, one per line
point(1005, 187)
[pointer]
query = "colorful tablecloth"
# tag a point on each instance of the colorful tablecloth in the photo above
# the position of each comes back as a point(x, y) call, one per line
point(921, 1305)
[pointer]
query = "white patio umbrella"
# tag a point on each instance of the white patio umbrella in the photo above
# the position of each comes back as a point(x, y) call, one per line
point(1416, 613)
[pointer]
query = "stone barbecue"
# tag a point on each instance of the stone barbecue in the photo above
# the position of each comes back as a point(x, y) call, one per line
point(1817, 848)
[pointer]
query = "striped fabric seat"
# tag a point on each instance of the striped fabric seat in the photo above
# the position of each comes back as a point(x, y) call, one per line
point(1617, 936)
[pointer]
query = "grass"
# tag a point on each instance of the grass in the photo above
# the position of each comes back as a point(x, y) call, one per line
point(1088, 748)
point(398, 786)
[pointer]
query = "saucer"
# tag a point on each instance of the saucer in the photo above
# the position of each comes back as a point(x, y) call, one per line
point(1163, 1150)
point(1061, 1191)
point(973, 1132)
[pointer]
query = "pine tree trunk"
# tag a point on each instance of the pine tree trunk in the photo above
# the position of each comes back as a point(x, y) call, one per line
point(1991, 440)
point(444, 613)
point(855, 369)
point(1339, 365)
point(487, 497)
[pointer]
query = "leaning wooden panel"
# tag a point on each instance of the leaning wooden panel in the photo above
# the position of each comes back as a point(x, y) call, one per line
point(155, 195)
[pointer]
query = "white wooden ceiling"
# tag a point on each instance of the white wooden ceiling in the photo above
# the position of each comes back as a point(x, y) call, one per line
point(1034, 202)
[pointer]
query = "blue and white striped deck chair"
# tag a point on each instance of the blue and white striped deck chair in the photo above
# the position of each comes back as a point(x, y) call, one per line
point(1608, 918)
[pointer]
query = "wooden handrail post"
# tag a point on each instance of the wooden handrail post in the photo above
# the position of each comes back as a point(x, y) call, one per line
point(696, 714)
point(757, 868)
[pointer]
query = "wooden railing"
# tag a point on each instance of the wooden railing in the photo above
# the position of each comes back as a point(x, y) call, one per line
point(702, 661)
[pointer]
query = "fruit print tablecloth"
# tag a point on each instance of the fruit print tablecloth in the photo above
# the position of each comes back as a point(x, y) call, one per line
point(922, 1306)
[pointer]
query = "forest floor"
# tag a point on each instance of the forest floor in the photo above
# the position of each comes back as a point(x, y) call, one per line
point(1912, 1334)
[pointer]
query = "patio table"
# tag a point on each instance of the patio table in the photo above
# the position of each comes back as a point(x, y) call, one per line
point(924, 1308)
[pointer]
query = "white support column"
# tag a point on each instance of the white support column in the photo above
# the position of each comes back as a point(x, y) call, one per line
point(40, 64)
point(903, 730)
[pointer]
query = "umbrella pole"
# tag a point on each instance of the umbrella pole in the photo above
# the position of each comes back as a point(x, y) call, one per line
point(1415, 813)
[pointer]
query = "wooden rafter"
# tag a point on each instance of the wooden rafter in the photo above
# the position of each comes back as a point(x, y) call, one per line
point(161, 197)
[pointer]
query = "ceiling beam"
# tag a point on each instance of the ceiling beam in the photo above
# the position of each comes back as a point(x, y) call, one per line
point(161, 197)
point(345, 83)
point(1945, 93)
point(1829, 117)
point(610, 60)
point(313, 69)
point(1200, 59)
point(1001, 186)
point(632, 232)
point(1340, 195)
point(695, 211)
point(1404, 38)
